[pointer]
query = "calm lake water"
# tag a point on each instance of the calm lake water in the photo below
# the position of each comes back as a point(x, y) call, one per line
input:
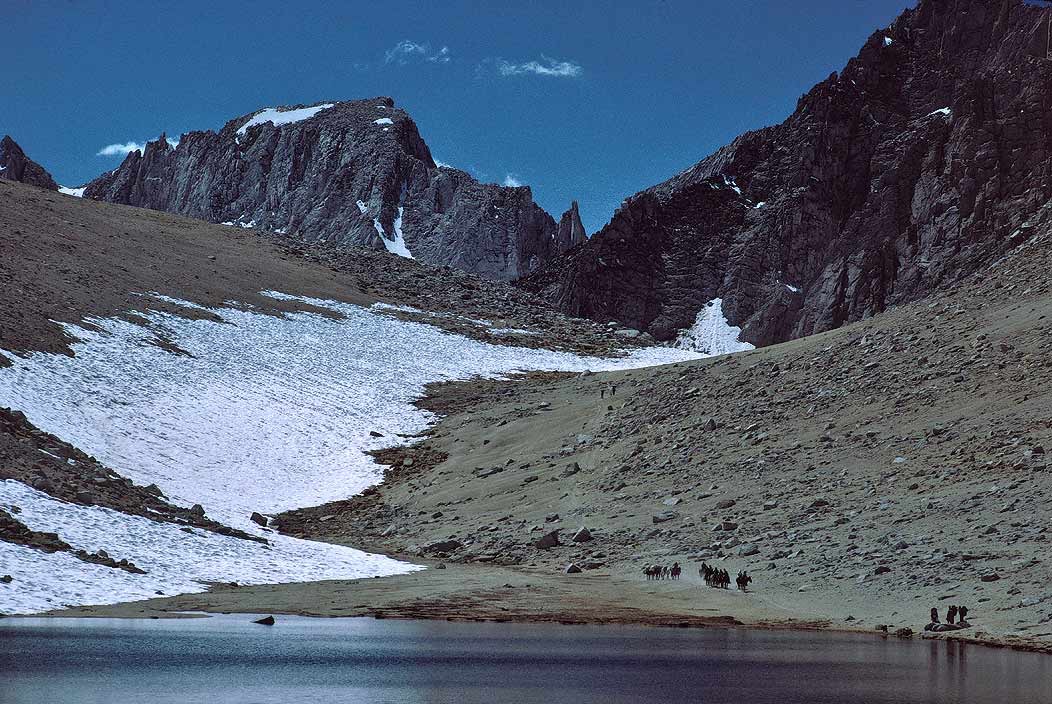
point(228, 659)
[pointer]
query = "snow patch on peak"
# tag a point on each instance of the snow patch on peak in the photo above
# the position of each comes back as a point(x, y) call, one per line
point(362, 207)
point(75, 192)
point(711, 334)
point(282, 117)
point(945, 112)
point(888, 41)
point(383, 121)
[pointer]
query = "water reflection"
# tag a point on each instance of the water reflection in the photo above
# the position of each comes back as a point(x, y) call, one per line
point(228, 659)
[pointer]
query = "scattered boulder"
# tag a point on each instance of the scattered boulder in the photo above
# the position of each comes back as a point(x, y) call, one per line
point(571, 470)
point(548, 540)
point(443, 546)
point(991, 577)
point(747, 550)
point(726, 503)
point(258, 518)
point(265, 621)
point(197, 510)
point(904, 633)
point(582, 536)
point(665, 517)
point(572, 568)
point(6, 579)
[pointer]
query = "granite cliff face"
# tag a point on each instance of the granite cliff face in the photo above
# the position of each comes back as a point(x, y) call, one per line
point(355, 173)
point(16, 166)
point(922, 162)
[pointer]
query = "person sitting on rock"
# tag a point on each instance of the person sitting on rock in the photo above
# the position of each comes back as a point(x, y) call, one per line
point(934, 615)
point(951, 614)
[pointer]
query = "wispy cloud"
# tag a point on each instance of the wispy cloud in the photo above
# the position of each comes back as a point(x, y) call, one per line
point(547, 66)
point(406, 51)
point(512, 180)
point(120, 149)
point(117, 149)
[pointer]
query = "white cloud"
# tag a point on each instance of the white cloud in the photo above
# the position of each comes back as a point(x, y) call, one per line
point(118, 149)
point(547, 66)
point(129, 147)
point(512, 181)
point(406, 51)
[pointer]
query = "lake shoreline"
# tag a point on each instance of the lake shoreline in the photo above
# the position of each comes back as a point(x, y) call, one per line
point(475, 593)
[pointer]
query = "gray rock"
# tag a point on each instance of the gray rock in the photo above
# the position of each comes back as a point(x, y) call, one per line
point(582, 536)
point(664, 517)
point(572, 568)
point(725, 503)
point(748, 549)
point(258, 518)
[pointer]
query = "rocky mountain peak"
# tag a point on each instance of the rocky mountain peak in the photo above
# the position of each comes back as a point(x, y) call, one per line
point(923, 161)
point(16, 166)
point(340, 172)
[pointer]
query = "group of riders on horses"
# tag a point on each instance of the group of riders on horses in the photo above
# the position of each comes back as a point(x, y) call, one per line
point(713, 576)
point(721, 579)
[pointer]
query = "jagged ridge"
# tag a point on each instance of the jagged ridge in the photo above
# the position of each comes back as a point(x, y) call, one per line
point(355, 173)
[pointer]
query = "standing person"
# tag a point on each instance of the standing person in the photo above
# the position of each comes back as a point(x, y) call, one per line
point(951, 614)
point(934, 615)
point(962, 611)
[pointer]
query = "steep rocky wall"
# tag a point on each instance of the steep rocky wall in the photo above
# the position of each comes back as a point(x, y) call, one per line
point(921, 162)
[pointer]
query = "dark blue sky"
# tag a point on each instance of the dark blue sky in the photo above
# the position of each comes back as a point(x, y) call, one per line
point(594, 102)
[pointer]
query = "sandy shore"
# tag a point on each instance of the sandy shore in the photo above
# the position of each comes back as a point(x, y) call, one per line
point(472, 592)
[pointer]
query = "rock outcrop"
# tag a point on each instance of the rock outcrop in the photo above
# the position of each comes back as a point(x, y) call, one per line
point(571, 229)
point(923, 161)
point(354, 173)
point(16, 166)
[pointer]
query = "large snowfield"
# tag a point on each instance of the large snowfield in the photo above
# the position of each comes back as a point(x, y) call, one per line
point(265, 413)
